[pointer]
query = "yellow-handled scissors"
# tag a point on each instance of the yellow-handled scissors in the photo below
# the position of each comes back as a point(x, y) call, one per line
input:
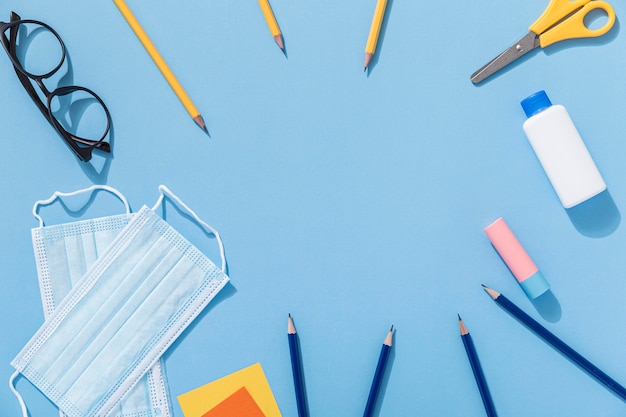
point(562, 19)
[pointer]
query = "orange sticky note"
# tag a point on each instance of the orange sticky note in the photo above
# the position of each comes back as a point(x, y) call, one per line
point(240, 404)
point(197, 402)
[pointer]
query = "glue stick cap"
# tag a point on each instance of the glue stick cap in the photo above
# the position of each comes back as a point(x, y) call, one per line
point(535, 103)
point(516, 259)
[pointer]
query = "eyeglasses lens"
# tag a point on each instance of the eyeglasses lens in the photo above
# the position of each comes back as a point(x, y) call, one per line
point(38, 50)
point(80, 113)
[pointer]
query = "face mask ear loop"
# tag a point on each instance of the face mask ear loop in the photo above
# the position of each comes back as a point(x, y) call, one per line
point(164, 190)
point(58, 194)
point(17, 394)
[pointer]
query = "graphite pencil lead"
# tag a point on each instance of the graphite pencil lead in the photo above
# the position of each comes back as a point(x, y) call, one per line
point(492, 293)
point(291, 328)
point(462, 327)
point(200, 122)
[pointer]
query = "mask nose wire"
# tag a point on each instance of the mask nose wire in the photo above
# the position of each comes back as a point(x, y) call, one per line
point(17, 394)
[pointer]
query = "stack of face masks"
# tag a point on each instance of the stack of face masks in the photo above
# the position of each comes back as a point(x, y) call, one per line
point(117, 292)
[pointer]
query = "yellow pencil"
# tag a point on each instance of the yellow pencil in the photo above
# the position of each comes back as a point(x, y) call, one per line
point(271, 23)
point(160, 63)
point(372, 39)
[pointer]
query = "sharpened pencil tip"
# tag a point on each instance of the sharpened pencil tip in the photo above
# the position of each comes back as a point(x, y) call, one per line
point(462, 327)
point(291, 328)
point(200, 122)
point(492, 293)
point(368, 59)
point(389, 338)
point(280, 42)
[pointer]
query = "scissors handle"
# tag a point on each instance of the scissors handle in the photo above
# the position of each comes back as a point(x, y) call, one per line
point(554, 13)
point(574, 25)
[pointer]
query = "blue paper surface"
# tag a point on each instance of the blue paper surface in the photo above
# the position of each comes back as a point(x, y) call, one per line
point(352, 200)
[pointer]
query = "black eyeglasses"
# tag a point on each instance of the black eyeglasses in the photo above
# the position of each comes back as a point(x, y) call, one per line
point(76, 113)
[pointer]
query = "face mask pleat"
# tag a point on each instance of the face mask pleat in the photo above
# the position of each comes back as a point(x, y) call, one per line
point(103, 239)
point(57, 256)
point(136, 399)
point(57, 264)
point(121, 328)
point(130, 338)
point(91, 315)
point(75, 256)
point(90, 251)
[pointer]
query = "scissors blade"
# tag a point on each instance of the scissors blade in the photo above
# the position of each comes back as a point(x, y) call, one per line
point(529, 42)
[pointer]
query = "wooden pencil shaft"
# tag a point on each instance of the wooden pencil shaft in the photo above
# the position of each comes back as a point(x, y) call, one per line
point(479, 376)
point(157, 58)
point(296, 369)
point(377, 381)
point(377, 22)
point(561, 346)
point(269, 17)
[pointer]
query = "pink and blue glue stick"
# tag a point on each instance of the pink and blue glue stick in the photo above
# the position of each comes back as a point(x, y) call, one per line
point(515, 257)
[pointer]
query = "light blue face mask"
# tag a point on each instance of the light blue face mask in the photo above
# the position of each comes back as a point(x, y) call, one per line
point(122, 315)
point(63, 254)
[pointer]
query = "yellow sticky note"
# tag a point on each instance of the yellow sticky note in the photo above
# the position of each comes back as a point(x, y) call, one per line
point(199, 401)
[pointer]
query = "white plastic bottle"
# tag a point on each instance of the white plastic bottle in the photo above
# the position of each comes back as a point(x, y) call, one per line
point(561, 151)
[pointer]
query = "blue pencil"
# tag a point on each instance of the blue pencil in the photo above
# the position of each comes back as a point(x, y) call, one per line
point(378, 375)
point(477, 370)
point(557, 343)
point(296, 368)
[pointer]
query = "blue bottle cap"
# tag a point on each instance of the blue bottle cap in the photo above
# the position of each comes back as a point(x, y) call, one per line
point(535, 103)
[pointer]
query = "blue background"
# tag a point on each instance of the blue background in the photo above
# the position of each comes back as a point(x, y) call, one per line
point(352, 201)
